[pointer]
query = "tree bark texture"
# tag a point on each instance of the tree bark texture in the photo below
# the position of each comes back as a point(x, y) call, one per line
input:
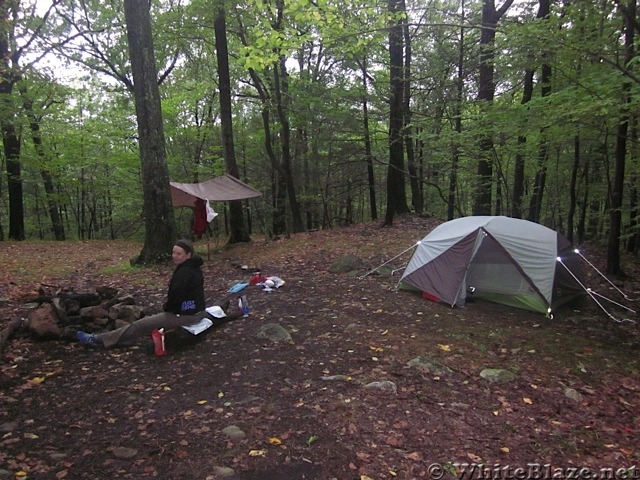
point(158, 210)
point(396, 194)
point(486, 92)
point(9, 75)
point(237, 226)
point(615, 212)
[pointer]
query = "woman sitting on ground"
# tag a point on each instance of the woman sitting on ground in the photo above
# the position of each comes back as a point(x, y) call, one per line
point(184, 306)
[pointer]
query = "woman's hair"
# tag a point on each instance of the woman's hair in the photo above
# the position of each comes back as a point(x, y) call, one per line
point(185, 244)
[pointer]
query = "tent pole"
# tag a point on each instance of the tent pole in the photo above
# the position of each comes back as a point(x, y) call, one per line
point(391, 259)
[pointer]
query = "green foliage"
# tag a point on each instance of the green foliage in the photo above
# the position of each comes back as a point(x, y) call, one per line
point(90, 139)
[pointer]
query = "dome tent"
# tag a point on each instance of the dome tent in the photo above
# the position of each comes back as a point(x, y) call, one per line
point(502, 259)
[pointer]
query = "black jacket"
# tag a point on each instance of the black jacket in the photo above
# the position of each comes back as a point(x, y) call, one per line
point(186, 288)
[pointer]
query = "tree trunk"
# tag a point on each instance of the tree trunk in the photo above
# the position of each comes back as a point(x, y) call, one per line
point(158, 211)
point(573, 194)
point(237, 227)
point(615, 212)
point(535, 205)
point(11, 144)
point(417, 200)
point(518, 171)
point(582, 221)
point(633, 244)
point(486, 91)
point(9, 75)
point(281, 91)
point(282, 105)
point(396, 196)
point(371, 179)
point(47, 179)
point(457, 118)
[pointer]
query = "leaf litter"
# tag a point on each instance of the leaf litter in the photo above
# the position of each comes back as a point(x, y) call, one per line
point(70, 412)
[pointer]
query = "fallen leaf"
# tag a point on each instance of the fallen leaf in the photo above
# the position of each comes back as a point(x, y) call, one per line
point(445, 348)
point(274, 441)
point(504, 449)
point(474, 458)
point(527, 400)
point(257, 453)
point(415, 456)
point(624, 402)
point(312, 439)
point(201, 402)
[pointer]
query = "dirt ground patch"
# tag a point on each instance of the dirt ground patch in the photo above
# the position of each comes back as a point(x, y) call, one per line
point(302, 408)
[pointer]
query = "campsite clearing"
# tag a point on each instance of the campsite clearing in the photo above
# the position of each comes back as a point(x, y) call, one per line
point(374, 383)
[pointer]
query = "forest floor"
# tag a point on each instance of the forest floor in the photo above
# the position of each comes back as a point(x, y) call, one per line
point(240, 406)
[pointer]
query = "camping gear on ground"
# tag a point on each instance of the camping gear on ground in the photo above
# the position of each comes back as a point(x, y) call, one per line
point(243, 305)
point(502, 259)
point(157, 335)
point(238, 287)
point(271, 283)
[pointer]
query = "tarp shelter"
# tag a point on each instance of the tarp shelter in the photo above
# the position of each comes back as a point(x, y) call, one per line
point(502, 259)
point(198, 196)
point(222, 188)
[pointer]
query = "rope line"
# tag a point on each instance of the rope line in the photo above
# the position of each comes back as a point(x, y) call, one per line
point(390, 260)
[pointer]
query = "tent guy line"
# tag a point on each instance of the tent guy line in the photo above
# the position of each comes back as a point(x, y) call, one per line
point(390, 260)
point(602, 275)
point(594, 294)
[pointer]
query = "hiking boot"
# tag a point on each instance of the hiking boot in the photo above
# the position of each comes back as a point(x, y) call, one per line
point(88, 340)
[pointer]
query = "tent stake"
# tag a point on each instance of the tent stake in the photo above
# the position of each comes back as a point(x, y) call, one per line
point(391, 259)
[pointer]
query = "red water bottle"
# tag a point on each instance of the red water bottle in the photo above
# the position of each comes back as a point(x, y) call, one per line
point(158, 341)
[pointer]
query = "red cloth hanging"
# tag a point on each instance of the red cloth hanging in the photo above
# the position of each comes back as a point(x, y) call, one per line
point(199, 217)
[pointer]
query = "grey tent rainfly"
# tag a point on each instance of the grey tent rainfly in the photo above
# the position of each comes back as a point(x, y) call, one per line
point(502, 259)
